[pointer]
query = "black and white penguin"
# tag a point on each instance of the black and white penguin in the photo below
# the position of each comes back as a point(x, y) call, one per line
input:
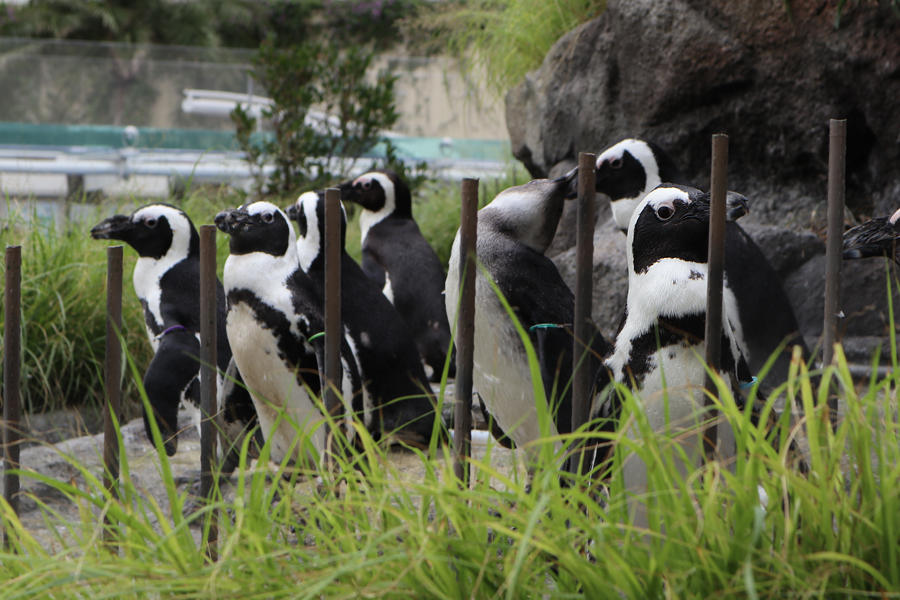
point(764, 318)
point(877, 237)
point(395, 388)
point(167, 282)
point(514, 231)
point(274, 324)
point(401, 263)
point(660, 345)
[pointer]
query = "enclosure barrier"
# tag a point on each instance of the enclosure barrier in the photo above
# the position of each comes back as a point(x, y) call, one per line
point(465, 324)
point(465, 330)
point(333, 335)
point(715, 280)
point(837, 153)
point(208, 408)
point(12, 352)
point(583, 330)
point(112, 374)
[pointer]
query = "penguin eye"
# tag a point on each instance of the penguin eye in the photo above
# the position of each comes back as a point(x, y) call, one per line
point(151, 222)
point(268, 217)
point(665, 212)
point(367, 185)
point(616, 163)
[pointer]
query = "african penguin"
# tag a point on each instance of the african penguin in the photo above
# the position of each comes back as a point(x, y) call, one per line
point(877, 237)
point(514, 231)
point(167, 282)
point(400, 262)
point(274, 321)
point(627, 172)
point(394, 381)
point(660, 345)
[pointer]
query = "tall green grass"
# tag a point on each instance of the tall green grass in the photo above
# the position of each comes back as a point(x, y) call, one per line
point(505, 38)
point(834, 532)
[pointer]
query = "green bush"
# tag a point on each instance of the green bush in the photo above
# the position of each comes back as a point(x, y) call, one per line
point(504, 38)
point(332, 80)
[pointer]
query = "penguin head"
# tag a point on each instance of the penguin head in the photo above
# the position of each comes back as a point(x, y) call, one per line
point(382, 192)
point(672, 222)
point(258, 227)
point(309, 214)
point(877, 237)
point(628, 171)
point(154, 231)
point(530, 213)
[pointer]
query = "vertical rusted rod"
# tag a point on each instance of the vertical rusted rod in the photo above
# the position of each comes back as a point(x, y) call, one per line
point(465, 330)
point(332, 305)
point(112, 369)
point(12, 348)
point(208, 383)
point(837, 153)
point(715, 274)
point(582, 328)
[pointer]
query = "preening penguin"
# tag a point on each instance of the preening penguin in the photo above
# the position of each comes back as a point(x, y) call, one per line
point(877, 237)
point(661, 342)
point(514, 231)
point(167, 282)
point(400, 262)
point(631, 169)
point(396, 390)
point(273, 312)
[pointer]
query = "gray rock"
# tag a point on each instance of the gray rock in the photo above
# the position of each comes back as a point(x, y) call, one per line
point(863, 297)
point(677, 71)
point(610, 276)
point(785, 249)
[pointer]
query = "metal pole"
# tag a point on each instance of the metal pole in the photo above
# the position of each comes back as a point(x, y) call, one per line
point(112, 372)
point(208, 433)
point(332, 307)
point(837, 153)
point(465, 330)
point(582, 328)
point(715, 275)
point(12, 347)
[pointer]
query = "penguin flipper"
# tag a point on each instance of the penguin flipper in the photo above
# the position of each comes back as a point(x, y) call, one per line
point(171, 372)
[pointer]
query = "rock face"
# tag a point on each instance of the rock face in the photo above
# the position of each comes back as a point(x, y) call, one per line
point(677, 71)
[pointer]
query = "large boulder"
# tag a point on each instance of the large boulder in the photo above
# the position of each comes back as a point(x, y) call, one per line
point(677, 71)
point(768, 74)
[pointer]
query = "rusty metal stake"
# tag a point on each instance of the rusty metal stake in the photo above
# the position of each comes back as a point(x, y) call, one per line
point(715, 277)
point(465, 331)
point(112, 372)
point(208, 383)
point(583, 329)
point(837, 152)
point(12, 348)
point(333, 334)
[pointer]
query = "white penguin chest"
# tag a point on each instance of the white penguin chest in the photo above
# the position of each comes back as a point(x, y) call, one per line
point(273, 386)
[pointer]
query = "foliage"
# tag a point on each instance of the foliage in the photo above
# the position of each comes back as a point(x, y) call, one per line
point(831, 532)
point(505, 38)
point(324, 116)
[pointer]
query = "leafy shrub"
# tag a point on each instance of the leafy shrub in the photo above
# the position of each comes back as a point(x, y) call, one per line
point(505, 38)
point(309, 150)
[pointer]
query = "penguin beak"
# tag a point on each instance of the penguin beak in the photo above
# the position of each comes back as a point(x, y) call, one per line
point(292, 212)
point(232, 220)
point(569, 181)
point(113, 228)
point(349, 193)
point(735, 206)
